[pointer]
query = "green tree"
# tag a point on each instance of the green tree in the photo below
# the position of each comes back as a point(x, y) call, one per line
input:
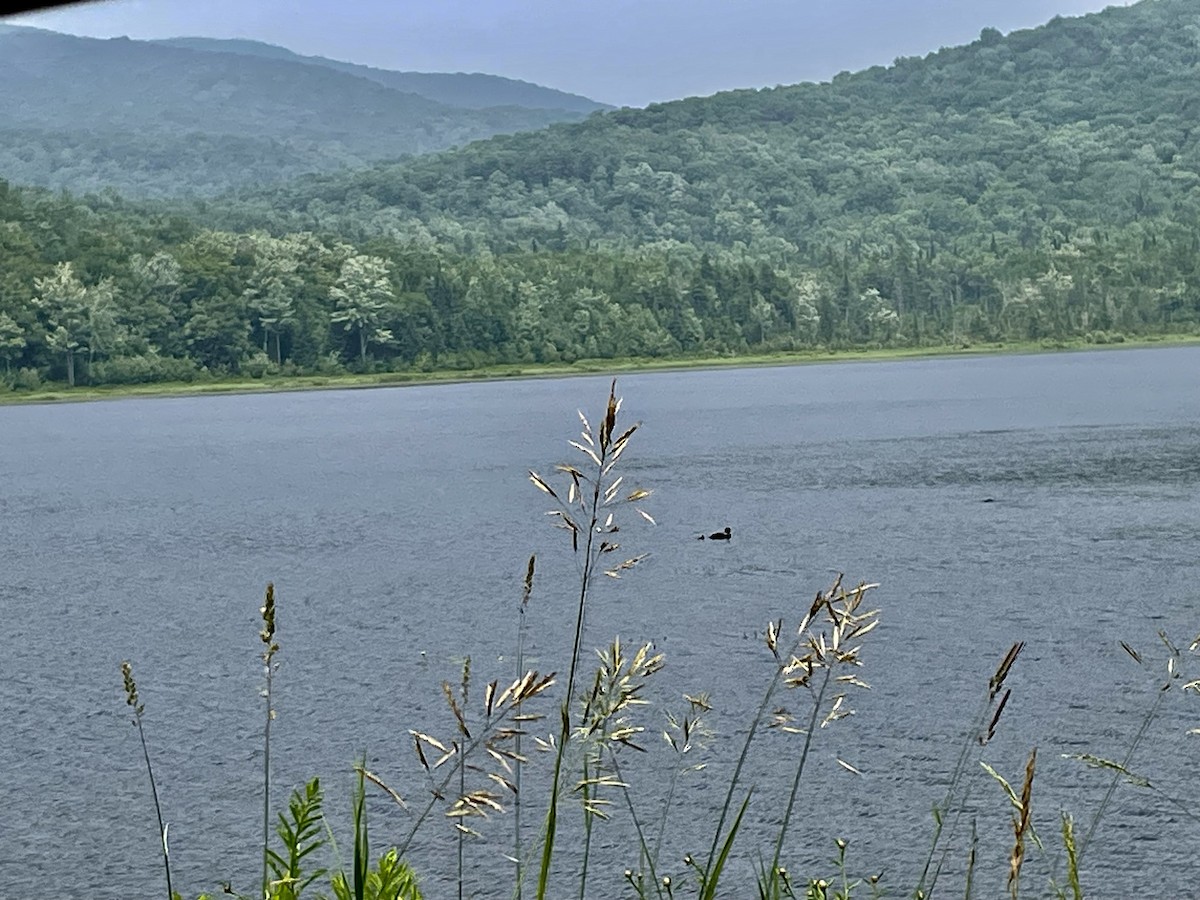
point(803, 307)
point(101, 333)
point(882, 320)
point(362, 296)
point(217, 332)
point(152, 301)
point(12, 341)
point(274, 282)
point(762, 317)
point(62, 301)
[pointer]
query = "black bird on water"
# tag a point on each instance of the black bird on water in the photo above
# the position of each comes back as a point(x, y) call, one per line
point(719, 535)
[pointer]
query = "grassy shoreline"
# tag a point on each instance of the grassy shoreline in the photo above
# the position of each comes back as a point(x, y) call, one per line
point(62, 394)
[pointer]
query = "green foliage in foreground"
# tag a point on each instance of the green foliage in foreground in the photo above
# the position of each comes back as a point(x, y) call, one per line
point(598, 739)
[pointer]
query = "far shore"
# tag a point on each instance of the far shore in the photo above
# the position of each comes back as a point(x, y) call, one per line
point(60, 393)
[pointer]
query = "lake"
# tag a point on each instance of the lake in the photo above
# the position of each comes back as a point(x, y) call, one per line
point(396, 523)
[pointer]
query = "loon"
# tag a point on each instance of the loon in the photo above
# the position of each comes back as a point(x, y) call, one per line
point(719, 535)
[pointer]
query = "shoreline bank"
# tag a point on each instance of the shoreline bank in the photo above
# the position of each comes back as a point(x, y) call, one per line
point(276, 384)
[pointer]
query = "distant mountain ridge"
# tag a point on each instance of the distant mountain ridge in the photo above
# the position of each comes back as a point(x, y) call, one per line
point(1083, 121)
point(160, 118)
point(466, 90)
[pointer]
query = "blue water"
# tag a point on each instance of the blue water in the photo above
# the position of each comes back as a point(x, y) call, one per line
point(396, 524)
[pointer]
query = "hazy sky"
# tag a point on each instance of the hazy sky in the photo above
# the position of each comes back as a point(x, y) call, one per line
point(617, 51)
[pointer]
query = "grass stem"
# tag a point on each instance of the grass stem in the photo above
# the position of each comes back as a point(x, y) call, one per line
point(131, 698)
point(270, 648)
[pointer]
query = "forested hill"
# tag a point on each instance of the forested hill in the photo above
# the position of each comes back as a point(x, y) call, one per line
point(1041, 187)
point(153, 119)
point(471, 91)
point(1086, 122)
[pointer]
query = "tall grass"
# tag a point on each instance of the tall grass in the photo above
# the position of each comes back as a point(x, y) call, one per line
point(954, 803)
point(270, 648)
point(591, 489)
point(518, 763)
point(139, 708)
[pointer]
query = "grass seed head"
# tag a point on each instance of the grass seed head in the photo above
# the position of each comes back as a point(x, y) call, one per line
point(267, 635)
point(1021, 827)
point(131, 691)
point(1002, 670)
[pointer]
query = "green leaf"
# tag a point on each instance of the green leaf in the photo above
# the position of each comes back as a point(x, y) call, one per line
point(709, 890)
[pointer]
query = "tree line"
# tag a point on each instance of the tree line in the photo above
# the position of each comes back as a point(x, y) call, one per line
point(95, 292)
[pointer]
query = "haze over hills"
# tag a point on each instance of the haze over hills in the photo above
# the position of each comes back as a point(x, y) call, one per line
point(470, 91)
point(155, 119)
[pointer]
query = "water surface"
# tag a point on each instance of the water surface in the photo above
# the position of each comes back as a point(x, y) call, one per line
point(396, 524)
